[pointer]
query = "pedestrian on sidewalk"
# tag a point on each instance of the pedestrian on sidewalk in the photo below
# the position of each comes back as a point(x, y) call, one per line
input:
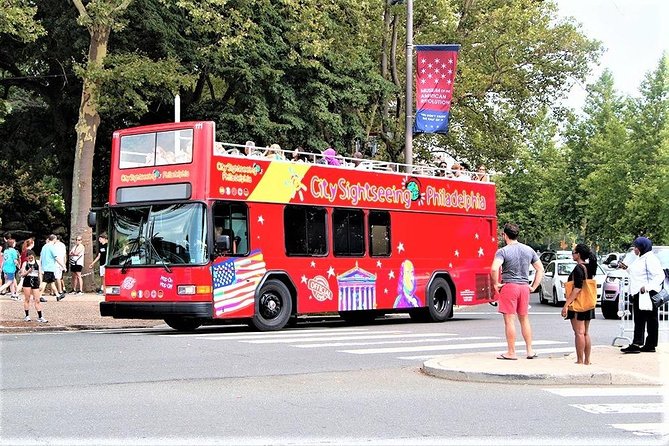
point(9, 266)
point(27, 245)
point(77, 265)
point(586, 268)
point(646, 276)
point(102, 258)
point(32, 276)
point(514, 259)
point(50, 264)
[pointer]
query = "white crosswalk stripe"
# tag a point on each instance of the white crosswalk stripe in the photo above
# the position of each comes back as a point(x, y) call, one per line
point(622, 408)
point(354, 340)
point(652, 409)
point(442, 347)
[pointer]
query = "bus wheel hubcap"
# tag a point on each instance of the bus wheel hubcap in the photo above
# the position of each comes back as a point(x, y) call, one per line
point(271, 306)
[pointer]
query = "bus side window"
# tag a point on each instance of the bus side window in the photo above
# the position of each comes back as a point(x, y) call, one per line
point(231, 219)
point(379, 233)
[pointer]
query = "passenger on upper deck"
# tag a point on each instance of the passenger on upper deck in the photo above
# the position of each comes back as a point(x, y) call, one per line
point(456, 169)
point(358, 158)
point(330, 157)
point(298, 155)
point(274, 153)
point(164, 156)
point(442, 168)
point(251, 150)
point(481, 175)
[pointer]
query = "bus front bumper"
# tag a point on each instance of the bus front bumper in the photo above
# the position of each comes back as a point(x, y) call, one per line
point(156, 310)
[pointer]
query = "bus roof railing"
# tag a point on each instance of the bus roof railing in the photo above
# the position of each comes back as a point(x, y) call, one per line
point(231, 149)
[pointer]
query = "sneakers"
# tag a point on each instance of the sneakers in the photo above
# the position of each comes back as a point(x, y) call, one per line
point(60, 297)
point(647, 349)
point(99, 291)
point(14, 297)
point(42, 320)
point(79, 293)
point(26, 319)
point(41, 299)
point(632, 348)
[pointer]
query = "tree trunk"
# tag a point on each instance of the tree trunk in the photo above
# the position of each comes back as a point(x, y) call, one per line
point(87, 127)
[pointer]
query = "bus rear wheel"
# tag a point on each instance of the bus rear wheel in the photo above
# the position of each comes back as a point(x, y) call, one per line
point(440, 300)
point(183, 323)
point(273, 307)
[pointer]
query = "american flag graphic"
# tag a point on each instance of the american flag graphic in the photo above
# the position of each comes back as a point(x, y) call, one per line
point(235, 282)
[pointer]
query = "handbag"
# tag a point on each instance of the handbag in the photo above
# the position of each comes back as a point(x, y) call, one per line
point(660, 298)
point(586, 300)
point(645, 303)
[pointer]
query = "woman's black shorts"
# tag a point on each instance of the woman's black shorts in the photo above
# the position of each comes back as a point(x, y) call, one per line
point(581, 315)
point(76, 268)
point(31, 282)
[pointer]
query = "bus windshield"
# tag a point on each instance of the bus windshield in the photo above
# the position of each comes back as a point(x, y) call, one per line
point(159, 234)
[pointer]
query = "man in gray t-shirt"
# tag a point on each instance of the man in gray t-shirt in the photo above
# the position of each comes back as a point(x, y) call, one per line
point(514, 259)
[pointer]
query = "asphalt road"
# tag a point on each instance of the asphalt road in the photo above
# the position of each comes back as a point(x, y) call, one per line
point(322, 383)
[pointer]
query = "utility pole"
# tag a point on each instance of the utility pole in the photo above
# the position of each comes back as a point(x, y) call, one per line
point(408, 127)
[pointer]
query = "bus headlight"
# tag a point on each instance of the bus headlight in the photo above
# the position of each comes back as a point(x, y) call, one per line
point(186, 289)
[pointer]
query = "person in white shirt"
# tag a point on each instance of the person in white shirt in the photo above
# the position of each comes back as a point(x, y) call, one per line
point(61, 261)
point(646, 276)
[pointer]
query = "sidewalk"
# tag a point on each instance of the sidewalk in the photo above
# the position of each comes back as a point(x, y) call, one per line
point(74, 312)
point(610, 366)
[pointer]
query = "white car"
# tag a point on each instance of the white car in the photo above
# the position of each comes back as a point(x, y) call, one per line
point(556, 275)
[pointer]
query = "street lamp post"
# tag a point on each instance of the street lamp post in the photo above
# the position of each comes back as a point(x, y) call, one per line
point(408, 137)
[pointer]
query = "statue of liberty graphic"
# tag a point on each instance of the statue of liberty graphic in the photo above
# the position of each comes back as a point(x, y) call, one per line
point(406, 287)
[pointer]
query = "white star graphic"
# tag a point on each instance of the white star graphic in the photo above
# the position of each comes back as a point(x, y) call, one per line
point(423, 60)
point(481, 252)
point(378, 264)
point(450, 61)
point(437, 60)
point(457, 253)
point(331, 272)
point(450, 265)
point(261, 220)
point(422, 81)
point(391, 274)
point(400, 247)
point(304, 279)
point(429, 65)
point(385, 291)
point(476, 236)
point(313, 264)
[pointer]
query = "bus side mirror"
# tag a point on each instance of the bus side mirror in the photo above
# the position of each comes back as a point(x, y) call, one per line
point(92, 219)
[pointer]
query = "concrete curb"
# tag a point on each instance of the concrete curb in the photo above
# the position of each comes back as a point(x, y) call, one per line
point(612, 368)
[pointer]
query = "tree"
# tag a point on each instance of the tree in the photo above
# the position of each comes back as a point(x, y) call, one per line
point(647, 208)
point(516, 57)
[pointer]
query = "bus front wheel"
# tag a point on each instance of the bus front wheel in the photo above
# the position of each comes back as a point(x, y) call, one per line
point(273, 306)
point(183, 323)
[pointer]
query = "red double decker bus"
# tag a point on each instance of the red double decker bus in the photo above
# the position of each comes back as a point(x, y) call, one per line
point(200, 233)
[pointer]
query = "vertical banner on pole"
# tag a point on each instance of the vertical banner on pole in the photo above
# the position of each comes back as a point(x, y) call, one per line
point(435, 74)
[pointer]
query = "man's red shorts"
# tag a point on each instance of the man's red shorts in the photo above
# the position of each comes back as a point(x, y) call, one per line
point(514, 298)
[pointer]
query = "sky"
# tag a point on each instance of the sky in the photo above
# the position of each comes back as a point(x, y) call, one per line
point(633, 32)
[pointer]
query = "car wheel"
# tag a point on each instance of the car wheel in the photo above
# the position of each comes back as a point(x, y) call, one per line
point(555, 297)
point(274, 306)
point(542, 298)
point(610, 309)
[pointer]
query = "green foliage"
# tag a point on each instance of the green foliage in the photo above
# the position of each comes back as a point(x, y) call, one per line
point(17, 19)
point(608, 183)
